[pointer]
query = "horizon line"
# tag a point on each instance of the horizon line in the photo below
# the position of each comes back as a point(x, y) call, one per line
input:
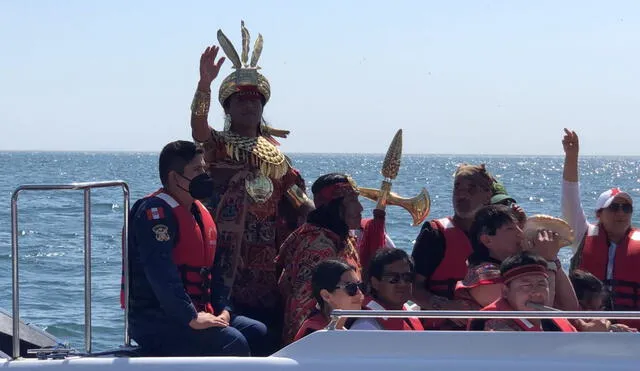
point(326, 153)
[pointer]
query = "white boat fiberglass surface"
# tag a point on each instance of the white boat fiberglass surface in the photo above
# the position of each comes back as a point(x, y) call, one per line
point(341, 350)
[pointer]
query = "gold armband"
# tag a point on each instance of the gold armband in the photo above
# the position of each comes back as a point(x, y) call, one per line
point(201, 103)
point(297, 196)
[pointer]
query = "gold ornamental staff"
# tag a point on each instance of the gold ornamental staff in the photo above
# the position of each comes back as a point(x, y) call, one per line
point(418, 206)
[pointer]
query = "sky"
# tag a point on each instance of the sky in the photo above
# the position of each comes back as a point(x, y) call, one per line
point(459, 77)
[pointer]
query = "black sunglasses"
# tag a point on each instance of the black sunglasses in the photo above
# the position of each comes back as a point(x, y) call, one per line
point(352, 288)
point(395, 277)
point(626, 208)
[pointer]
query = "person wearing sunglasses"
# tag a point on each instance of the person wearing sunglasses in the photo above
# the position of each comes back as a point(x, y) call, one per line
point(609, 249)
point(390, 282)
point(335, 285)
point(324, 236)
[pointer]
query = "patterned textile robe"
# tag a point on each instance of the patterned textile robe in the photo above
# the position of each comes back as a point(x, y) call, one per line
point(299, 254)
point(478, 275)
point(249, 233)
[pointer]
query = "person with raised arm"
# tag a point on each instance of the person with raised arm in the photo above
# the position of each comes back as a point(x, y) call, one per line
point(610, 248)
point(258, 196)
point(496, 235)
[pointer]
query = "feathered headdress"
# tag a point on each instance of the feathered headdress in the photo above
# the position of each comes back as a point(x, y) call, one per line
point(246, 77)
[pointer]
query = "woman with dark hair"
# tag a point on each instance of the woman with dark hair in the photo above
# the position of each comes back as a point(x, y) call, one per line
point(335, 285)
point(325, 235)
point(390, 283)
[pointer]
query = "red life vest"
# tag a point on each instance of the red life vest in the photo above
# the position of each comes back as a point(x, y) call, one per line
point(311, 324)
point(406, 324)
point(625, 282)
point(453, 266)
point(194, 251)
point(501, 304)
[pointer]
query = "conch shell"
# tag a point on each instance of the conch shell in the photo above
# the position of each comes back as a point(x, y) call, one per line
point(547, 222)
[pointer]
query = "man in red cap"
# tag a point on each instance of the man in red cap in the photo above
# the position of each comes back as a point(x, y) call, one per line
point(609, 249)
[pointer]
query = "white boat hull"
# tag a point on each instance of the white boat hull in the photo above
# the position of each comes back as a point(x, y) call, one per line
point(400, 350)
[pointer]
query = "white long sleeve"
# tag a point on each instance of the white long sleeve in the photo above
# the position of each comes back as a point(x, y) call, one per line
point(573, 213)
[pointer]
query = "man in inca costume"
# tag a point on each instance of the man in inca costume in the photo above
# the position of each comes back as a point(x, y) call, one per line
point(259, 198)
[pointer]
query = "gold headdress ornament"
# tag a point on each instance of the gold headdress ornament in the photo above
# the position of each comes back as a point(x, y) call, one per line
point(261, 151)
point(246, 76)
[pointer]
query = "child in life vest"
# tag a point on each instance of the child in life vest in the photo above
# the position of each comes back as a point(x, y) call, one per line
point(592, 295)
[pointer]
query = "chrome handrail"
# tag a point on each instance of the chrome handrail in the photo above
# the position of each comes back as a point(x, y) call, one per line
point(86, 187)
point(337, 314)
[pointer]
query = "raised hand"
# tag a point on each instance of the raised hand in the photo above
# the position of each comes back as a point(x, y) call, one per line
point(209, 68)
point(546, 244)
point(570, 142)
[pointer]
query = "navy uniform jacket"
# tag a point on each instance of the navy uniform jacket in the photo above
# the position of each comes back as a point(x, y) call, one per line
point(157, 298)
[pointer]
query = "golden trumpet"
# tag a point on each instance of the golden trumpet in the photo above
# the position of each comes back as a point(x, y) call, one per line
point(418, 206)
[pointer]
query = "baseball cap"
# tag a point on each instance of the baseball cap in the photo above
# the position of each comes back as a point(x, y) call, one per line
point(607, 197)
point(500, 194)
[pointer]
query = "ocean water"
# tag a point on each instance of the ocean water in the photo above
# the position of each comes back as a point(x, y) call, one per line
point(51, 222)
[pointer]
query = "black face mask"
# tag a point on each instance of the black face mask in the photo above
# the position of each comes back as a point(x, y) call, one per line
point(200, 187)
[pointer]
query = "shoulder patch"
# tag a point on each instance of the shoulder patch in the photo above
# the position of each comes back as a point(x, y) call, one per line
point(155, 213)
point(162, 232)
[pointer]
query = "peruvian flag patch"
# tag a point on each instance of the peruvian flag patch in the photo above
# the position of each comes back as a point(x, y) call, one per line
point(155, 213)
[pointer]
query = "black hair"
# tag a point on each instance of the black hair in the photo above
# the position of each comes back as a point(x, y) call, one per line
point(328, 215)
point(585, 284)
point(174, 157)
point(487, 221)
point(381, 259)
point(384, 257)
point(326, 276)
point(521, 259)
point(514, 261)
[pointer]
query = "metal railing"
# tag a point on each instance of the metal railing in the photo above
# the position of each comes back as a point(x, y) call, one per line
point(548, 314)
point(86, 187)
